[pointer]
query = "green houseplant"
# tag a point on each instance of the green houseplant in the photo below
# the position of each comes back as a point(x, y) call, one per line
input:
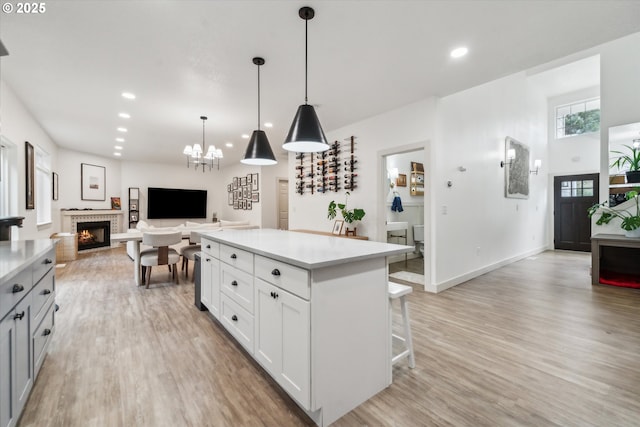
point(630, 221)
point(350, 216)
point(630, 158)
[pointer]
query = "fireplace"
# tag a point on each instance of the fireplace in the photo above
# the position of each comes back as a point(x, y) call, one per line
point(93, 234)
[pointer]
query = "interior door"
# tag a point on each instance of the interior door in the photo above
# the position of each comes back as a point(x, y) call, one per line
point(573, 195)
point(283, 204)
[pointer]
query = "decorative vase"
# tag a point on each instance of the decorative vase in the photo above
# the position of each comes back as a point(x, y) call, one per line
point(632, 233)
point(633, 176)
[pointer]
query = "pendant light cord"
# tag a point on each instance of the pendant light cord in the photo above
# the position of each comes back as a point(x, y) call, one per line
point(306, 58)
point(258, 97)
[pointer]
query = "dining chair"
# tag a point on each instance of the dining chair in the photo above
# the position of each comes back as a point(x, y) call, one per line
point(160, 254)
point(189, 252)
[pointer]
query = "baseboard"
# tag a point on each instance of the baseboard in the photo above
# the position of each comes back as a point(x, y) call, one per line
point(479, 272)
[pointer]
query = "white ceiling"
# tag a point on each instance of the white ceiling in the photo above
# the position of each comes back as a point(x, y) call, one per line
point(184, 59)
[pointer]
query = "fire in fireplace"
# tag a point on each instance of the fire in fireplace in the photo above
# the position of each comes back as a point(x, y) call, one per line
point(93, 234)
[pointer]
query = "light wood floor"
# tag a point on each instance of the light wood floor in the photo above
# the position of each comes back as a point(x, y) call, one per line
point(530, 344)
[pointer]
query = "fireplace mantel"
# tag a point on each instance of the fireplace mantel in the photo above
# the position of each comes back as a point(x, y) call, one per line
point(71, 218)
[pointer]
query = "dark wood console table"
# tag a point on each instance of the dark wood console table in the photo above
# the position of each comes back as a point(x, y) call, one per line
point(617, 256)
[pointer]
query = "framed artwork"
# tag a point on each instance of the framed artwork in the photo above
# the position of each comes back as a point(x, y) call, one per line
point(516, 171)
point(401, 180)
point(30, 175)
point(133, 217)
point(235, 183)
point(245, 192)
point(243, 204)
point(229, 188)
point(337, 227)
point(236, 204)
point(230, 199)
point(243, 181)
point(133, 206)
point(134, 193)
point(115, 203)
point(254, 182)
point(255, 197)
point(248, 204)
point(92, 179)
point(54, 183)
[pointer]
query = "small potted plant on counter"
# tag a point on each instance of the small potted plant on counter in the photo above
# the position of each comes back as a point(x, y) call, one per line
point(632, 159)
point(350, 216)
point(630, 221)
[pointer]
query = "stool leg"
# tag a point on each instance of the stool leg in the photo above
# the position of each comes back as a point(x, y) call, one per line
point(407, 331)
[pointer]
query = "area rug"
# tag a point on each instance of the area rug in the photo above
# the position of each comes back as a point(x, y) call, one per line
point(408, 277)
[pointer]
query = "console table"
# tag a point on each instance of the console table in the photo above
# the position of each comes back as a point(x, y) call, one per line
point(614, 256)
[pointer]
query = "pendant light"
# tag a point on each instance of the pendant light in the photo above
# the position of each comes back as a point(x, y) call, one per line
point(259, 150)
point(305, 134)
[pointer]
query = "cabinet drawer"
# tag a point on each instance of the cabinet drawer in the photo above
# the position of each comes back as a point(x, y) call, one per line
point(43, 265)
point(238, 286)
point(13, 290)
point(42, 336)
point(42, 293)
point(210, 247)
point(237, 321)
point(238, 258)
point(286, 276)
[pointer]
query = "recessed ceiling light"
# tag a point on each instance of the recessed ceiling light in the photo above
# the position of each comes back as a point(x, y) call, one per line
point(245, 136)
point(124, 115)
point(117, 154)
point(459, 52)
point(128, 95)
point(118, 147)
point(268, 125)
point(120, 139)
point(122, 129)
point(228, 144)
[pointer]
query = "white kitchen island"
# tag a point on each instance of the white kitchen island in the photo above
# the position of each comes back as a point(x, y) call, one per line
point(312, 310)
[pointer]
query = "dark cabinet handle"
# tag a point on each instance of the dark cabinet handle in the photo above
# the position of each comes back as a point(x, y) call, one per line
point(46, 292)
point(234, 283)
point(274, 295)
point(208, 259)
point(275, 272)
point(233, 256)
point(17, 288)
point(48, 261)
point(46, 332)
point(18, 316)
point(208, 246)
point(234, 318)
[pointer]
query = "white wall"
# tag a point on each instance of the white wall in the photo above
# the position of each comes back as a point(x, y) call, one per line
point(476, 227)
point(405, 125)
point(19, 126)
point(269, 191)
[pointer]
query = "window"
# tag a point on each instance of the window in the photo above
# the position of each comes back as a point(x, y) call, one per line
point(4, 181)
point(578, 118)
point(43, 187)
point(576, 188)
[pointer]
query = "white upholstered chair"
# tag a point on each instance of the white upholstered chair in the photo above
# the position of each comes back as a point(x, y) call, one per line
point(189, 252)
point(160, 254)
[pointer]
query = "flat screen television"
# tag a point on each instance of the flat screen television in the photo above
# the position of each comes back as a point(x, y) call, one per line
point(174, 203)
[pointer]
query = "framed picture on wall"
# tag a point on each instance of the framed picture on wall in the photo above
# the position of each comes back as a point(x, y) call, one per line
point(235, 183)
point(337, 227)
point(230, 199)
point(54, 183)
point(248, 205)
point(236, 203)
point(254, 182)
point(255, 197)
point(30, 175)
point(92, 180)
point(243, 181)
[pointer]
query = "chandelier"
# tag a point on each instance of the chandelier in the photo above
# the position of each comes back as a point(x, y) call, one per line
point(197, 157)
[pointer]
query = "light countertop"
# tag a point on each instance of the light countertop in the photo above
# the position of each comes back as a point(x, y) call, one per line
point(309, 251)
point(14, 255)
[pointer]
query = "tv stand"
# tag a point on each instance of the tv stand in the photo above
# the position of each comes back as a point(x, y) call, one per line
point(614, 260)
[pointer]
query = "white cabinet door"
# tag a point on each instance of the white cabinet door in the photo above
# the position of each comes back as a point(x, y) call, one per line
point(282, 343)
point(210, 284)
point(24, 356)
point(7, 374)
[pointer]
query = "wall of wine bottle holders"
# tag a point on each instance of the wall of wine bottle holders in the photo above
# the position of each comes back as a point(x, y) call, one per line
point(329, 171)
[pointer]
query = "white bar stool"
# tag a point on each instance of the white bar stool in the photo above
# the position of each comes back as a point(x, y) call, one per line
point(396, 291)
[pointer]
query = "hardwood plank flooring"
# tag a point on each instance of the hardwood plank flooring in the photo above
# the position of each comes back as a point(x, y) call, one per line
point(529, 344)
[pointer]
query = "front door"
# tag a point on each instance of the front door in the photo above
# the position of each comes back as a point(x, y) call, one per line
point(573, 195)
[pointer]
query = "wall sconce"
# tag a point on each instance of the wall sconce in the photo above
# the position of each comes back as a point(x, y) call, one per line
point(536, 164)
point(511, 155)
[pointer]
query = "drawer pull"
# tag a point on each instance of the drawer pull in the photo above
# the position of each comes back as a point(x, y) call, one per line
point(275, 272)
point(48, 261)
point(274, 295)
point(234, 283)
point(233, 256)
point(208, 246)
point(234, 318)
point(46, 292)
point(46, 332)
point(18, 316)
point(17, 288)
point(208, 259)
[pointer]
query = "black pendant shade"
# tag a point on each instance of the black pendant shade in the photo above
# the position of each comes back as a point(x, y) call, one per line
point(259, 151)
point(306, 134)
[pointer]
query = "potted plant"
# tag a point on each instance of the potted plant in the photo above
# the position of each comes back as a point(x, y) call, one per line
point(632, 158)
point(630, 221)
point(350, 216)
